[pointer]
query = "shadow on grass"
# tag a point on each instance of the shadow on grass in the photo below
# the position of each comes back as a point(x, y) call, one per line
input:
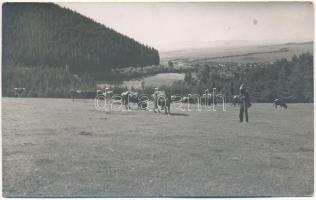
point(179, 114)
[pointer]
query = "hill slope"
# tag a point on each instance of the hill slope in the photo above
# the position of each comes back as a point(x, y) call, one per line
point(45, 34)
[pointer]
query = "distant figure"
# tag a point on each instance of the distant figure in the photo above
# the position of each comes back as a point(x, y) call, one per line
point(72, 94)
point(163, 100)
point(279, 102)
point(107, 94)
point(99, 92)
point(236, 100)
point(155, 99)
point(125, 99)
point(206, 92)
point(244, 103)
point(208, 98)
point(18, 91)
point(140, 100)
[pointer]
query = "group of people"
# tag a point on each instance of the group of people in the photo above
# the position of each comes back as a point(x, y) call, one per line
point(244, 100)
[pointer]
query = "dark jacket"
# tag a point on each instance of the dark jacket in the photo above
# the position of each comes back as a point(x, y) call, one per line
point(244, 98)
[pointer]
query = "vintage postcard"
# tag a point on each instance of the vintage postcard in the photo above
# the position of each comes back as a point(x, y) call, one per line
point(157, 99)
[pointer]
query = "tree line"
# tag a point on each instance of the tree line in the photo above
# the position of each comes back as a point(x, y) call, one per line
point(43, 81)
point(264, 81)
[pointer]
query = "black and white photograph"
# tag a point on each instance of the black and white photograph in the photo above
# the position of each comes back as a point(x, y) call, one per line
point(157, 99)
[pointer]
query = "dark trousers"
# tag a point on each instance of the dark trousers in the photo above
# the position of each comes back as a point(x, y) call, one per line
point(242, 111)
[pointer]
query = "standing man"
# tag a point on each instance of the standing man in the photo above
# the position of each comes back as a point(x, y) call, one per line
point(125, 96)
point(72, 94)
point(107, 95)
point(155, 99)
point(244, 103)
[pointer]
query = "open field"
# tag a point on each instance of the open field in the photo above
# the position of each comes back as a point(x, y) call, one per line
point(57, 148)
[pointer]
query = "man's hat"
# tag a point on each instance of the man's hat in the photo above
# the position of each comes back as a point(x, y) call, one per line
point(156, 88)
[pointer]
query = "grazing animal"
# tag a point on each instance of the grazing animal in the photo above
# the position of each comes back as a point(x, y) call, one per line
point(105, 93)
point(19, 91)
point(134, 97)
point(141, 100)
point(236, 100)
point(163, 100)
point(100, 92)
point(189, 99)
point(279, 102)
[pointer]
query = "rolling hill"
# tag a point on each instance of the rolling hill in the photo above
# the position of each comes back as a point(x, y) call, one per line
point(50, 50)
point(37, 34)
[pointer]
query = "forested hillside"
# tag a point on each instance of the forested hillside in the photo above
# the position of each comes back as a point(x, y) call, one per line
point(44, 34)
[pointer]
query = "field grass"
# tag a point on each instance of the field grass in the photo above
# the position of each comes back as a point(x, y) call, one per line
point(57, 148)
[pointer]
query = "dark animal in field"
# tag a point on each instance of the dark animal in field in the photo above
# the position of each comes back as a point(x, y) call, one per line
point(177, 98)
point(163, 101)
point(100, 92)
point(236, 100)
point(133, 97)
point(279, 102)
point(190, 99)
point(104, 92)
point(141, 100)
point(18, 91)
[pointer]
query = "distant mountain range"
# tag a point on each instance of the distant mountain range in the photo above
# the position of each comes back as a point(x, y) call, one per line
point(242, 53)
point(189, 45)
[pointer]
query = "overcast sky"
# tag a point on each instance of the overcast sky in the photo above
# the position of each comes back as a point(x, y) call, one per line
point(168, 26)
